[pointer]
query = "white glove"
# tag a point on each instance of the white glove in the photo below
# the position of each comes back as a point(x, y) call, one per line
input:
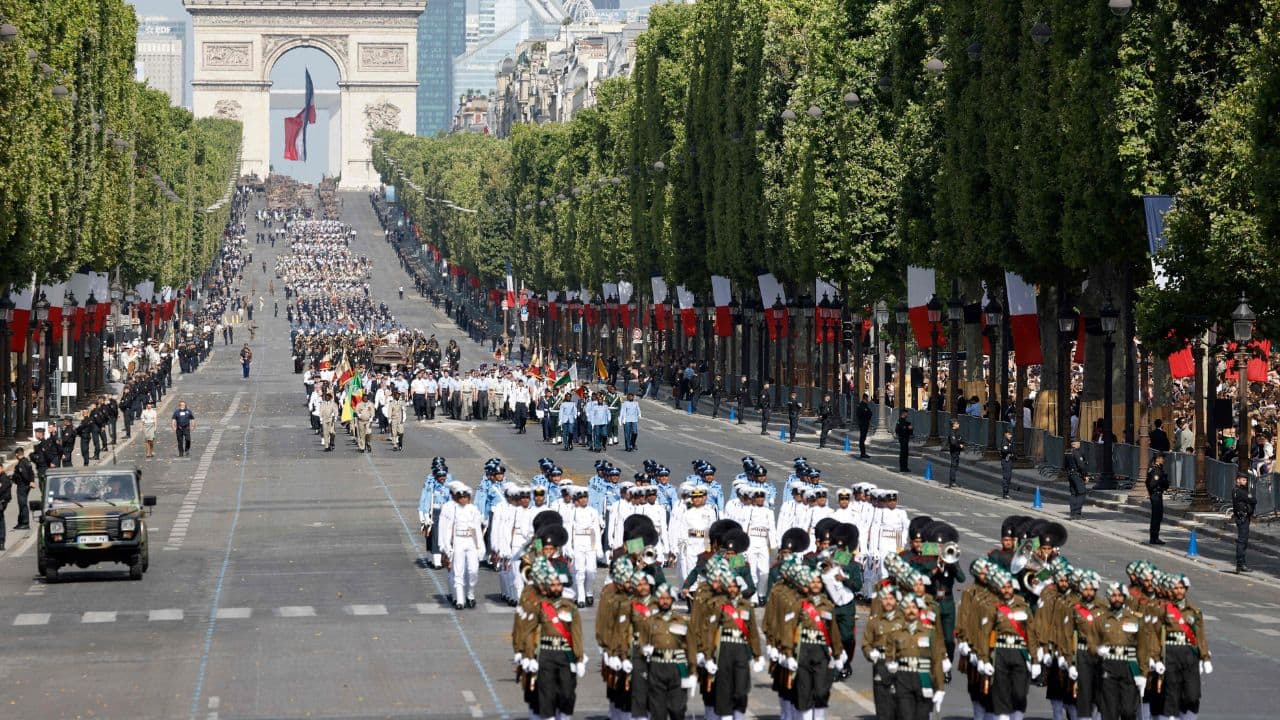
point(892, 665)
point(1159, 668)
point(1035, 670)
point(986, 668)
point(790, 664)
point(773, 653)
point(842, 660)
point(702, 659)
point(946, 665)
point(1062, 662)
point(582, 669)
point(1040, 653)
point(689, 683)
point(533, 666)
point(1141, 682)
point(613, 663)
point(626, 666)
point(875, 655)
point(1073, 672)
point(1206, 667)
point(938, 695)
point(710, 666)
point(518, 658)
point(646, 650)
point(963, 648)
point(973, 658)
point(757, 665)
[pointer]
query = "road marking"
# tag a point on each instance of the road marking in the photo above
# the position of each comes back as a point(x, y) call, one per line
point(1268, 631)
point(178, 533)
point(494, 608)
point(214, 702)
point(37, 589)
point(94, 616)
point(296, 611)
point(857, 697)
point(236, 613)
point(1263, 619)
point(169, 614)
point(432, 609)
point(367, 609)
point(32, 619)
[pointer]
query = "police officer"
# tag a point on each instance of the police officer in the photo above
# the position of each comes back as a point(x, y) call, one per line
point(826, 419)
point(1157, 483)
point(717, 394)
point(764, 403)
point(24, 476)
point(955, 446)
point(864, 415)
point(903, 431)
point(1006, 463)
point(1077, 474)
point(1242, 508)
point(744, 397)
point(794, 406)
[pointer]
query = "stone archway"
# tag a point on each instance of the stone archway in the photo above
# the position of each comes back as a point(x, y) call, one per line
point(374, 45)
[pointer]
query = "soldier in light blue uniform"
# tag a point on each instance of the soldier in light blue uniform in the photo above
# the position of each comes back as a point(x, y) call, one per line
point(540, 480)
point(435, 494)
point(597, 490)
point(488, 494)
point(706, 474)
point(754, 475)
point(668, 494)
point(797, 477)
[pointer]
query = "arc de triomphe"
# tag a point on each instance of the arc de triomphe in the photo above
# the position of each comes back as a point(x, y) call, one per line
point(373, 43)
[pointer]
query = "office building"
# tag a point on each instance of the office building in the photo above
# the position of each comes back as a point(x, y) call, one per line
point(442, 36)
point(161, 60)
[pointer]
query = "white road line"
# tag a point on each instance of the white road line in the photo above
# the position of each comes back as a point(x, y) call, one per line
point(93, 616)
point(32, 619)
point(367, 609)
point(296, 611)
point(1263, 619)
point(1268, 631)
point(468, 696)
point(168, 614)
point(431, 609)
point(856, 697)
point(234, 613)
point(178, 533)
point(497, 609)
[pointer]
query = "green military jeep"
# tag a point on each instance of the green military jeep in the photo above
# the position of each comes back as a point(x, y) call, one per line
point(89, 516)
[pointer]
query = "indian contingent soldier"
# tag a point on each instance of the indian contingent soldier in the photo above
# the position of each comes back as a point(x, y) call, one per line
point(876, 637)
point(1122, 645)
point(1056, 649)
point(810, 648)
point(915, 659)
point(731, 646)
point(666, 644)
point(843, 580)
point(1080, 644)
point(1184, 654)
point(1003, 652)
point(364, 427)
point(549, 646)
point(975, 601)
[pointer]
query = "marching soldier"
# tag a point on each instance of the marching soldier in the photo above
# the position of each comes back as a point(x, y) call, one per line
point(1122, 648)
point(1081, 643)
point(915, 660)
point(1002, 556)
point(364, 427)
point(1003, 651)
point(666, 645)
point(396, 412)
point(975, 603)
point(1056, 650)
point(614, 598)
point(875, 645)
point(328, 421)
point(1184, 654)
point(462, 542)
point(811, 650)
point(732, 648)
point(548, 646)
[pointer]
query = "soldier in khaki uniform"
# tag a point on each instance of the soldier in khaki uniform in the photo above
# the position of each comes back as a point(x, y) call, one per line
point(395, 412)
point(914, 654)
point(1123, 648)
point(975, 602)
point(328, 422)
point(549, 642)
point(875, 645)
point(666, 645)
point(732, 649)
point(612, 603)
point(703, 605)
point(1085, 670)
point(1182, 653)
point(1003, 651)
point(1054, 652)
point(811, 648)
point(364, 426)
point(782, 599)
point(639, 606)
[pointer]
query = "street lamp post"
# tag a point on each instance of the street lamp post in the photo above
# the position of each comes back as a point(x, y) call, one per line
point(934, 308)
point(778, 310)
point(1110, 316)
point(878, 383)
point(994, 312)
point(6, 317)
point(1242, 320)
point(901, 318)
point(68, 307)
point(955, 313)
point(93, 347)
point(40, 310)
point(1066, 331)
point(1200, 501)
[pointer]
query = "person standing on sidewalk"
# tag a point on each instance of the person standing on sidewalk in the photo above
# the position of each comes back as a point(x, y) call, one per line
point(1006, 463)
point(246, 359)
point(763, 404)
point(183, 422)
point(6, 494)
point(1242, 507)
point(1157, 483)
point(794, 407)
point(903, 431)
point(826, 414)
point(1077, 470)
point(955, 446)
point(717, 392)
point(24, 476)
point(864, 416)
point(744, 398)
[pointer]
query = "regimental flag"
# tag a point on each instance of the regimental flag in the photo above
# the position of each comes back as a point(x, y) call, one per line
point(535, 362)
point(562, 380)
point(348, 413)
point(297, 124)
point(602, 371)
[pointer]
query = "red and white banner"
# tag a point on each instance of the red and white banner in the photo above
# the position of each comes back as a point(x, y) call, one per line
point(625, 292)
point(54, 295)
point(722, 295)
point(826, 326)
point(511, 289)
point(1259, 352)
point(553, 307)
point(22, 299)
point(80, 284)
point(777, 322)
point(688, 316)
point(1182, 364)
point(921, 286)
point(661, 311)
point(1024, 323)
point(611, 303)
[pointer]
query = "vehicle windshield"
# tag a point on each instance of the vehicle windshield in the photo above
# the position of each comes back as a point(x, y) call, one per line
point(114, 489)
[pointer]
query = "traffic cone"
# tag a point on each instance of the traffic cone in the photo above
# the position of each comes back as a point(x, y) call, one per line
point(928, 471)
point(847, 447)
point(1038, 504)
point(689, 408)
point(733, 415)
point(1192, 550)
point(782, 433)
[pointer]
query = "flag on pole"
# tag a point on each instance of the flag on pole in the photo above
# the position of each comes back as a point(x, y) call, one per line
point(1024, 323)
point(722, 295)
point(22, 299)
point(771, 293)
point(297, 124)
point(688, 316)
point(511, 288)
point(921, 286)
point(602, 371)
point(661, 313)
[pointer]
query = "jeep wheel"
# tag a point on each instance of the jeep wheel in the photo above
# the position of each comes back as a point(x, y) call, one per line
point(40, 561)
point(135, 568)
point(50, 573)
point(146, 559)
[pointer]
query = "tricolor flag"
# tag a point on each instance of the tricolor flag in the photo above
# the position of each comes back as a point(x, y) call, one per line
point(920, 288)
point(1024, 323)
point(80, 284)
point(688, 316)
point(722, 295)
point(298, 124)
point(22, 299)
point(661, 313)
point(511, 288)
point(771, 293)
point(625, 292)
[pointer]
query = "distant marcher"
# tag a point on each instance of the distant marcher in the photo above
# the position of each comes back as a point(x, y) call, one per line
point(1157, 483)
point(183, 422)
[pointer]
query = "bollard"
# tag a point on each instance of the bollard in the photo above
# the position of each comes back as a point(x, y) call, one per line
point(928, 471)
point(782, 433)
point(847, 446)
point(1192, 549)
point(1037, 503)
point(733, 416)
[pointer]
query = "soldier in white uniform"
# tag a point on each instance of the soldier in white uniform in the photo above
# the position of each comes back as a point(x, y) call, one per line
point(689, 531)
point(501, 525)
point(817, 510)
point(887, 536)
point(628, 502)
point(462, 541)
point(843, 511)
point(586, 545)
point(757, 522)
point(650, 508)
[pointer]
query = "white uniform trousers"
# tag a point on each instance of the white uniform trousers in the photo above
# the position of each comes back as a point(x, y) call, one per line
point(584, 572)
point(465, 571)
point(757, 557)
point(693, 547)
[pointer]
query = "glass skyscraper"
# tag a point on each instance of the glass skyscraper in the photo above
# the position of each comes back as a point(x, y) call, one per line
point(442, 36)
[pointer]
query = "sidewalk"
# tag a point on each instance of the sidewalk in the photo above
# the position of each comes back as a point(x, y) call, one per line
point(1264, 538)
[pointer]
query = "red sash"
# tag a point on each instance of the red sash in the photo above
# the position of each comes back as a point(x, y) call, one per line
point(1084, 612)
point(812, 612)
point(1017, 626)
point(742, 625)
point(554, 616)
point(640, 608)
point(1182, 625)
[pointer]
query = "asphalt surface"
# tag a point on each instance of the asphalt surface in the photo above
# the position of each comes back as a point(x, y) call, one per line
point(289, 583)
